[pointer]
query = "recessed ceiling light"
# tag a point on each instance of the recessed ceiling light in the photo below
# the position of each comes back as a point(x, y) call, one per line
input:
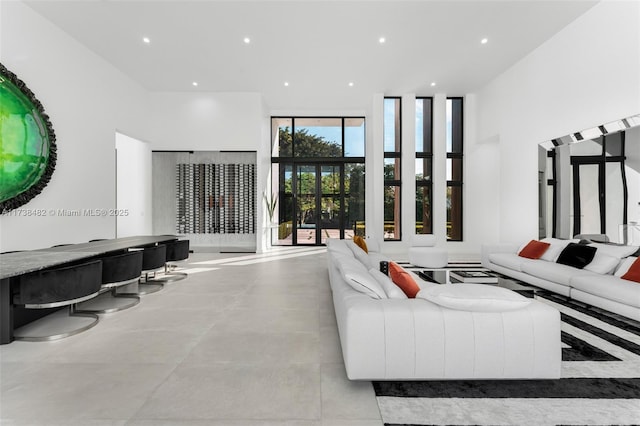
point(433, 83)
point(351, 84)
point(484, 40)
point(146, 40)
point(382, 40)
point(286, 83)
point(195, 83)
point(246, 40)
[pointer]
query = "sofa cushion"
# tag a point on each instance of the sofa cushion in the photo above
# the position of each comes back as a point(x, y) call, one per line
point(343, 262)
point(474, 297)
point(624, 266)
point(602, 263)
point(363, 282)
point(633, 274)
point(508, 260)
point(534, 249)
point(359, 241)
point(403, 279)
point(609, 287)
point(554, 272)
point(391, 290)
point(576, 255)
point(336, 245)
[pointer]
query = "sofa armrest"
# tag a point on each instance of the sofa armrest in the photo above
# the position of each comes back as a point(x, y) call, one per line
point(488, 249)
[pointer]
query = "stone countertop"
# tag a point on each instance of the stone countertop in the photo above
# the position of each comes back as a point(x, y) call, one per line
point(23, 262)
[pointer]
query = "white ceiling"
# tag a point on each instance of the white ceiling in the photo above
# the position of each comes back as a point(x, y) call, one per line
point(317, 46)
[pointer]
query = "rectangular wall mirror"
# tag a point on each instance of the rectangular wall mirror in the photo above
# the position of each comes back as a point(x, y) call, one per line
point(589, 184)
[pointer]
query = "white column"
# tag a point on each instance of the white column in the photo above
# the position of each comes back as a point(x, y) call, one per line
point(408, 171)
point(374, 160)
point(439, 167)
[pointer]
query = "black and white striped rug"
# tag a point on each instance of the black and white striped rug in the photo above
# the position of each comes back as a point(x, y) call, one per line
point(600, 382)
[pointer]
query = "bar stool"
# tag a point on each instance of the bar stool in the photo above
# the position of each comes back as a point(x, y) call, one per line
point(53, 288)
point(176, 251)
point(118, 270)
point(153, 260)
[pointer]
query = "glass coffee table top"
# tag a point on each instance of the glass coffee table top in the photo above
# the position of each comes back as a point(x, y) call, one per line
point(442, 276)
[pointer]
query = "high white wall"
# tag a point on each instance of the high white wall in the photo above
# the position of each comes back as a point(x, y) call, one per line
point(87, 100)
point(133, 187)
point(586, 75)
point(205, 121)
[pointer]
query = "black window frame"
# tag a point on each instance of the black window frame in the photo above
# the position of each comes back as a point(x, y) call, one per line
point(294, 161)
point(397, 183)
point(458, 154)
point(427, 141)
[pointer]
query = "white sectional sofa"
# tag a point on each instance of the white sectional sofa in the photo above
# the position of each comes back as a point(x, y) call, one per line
point(598, 284)
point(387, 336)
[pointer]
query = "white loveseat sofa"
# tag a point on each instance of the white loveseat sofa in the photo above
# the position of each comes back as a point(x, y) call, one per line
point(598, 284)
point(386, 336)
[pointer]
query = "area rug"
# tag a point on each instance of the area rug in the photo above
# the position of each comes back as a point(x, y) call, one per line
point(600, 382)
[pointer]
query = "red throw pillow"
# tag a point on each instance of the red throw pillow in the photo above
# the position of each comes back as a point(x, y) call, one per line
point(534, 250)
point(633, 274)
point(403, 279)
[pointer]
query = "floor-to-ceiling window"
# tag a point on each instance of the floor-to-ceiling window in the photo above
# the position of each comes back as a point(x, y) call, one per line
point(454, 168)
point(317, 179)
point(392, 171)
point(424, 165)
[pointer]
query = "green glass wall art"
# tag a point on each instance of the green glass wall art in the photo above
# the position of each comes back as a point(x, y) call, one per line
point(27, 143)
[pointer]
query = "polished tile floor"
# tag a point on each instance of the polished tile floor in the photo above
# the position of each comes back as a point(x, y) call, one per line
point(245, 340)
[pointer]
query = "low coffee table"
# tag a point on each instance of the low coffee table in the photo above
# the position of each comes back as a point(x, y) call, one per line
point(442, 276)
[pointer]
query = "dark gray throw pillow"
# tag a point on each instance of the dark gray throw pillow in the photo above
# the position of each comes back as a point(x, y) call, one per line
point(577, 255)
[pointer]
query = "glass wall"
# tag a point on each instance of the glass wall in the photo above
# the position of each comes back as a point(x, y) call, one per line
point(318, 174)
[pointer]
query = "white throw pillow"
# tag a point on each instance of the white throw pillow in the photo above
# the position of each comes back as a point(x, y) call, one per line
point(474, 297)
point(556, 247)
point(363, 282)
point(359, 254)
point(602, 263)
point(615, 250)
point(624, 266)
point(391, 290)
